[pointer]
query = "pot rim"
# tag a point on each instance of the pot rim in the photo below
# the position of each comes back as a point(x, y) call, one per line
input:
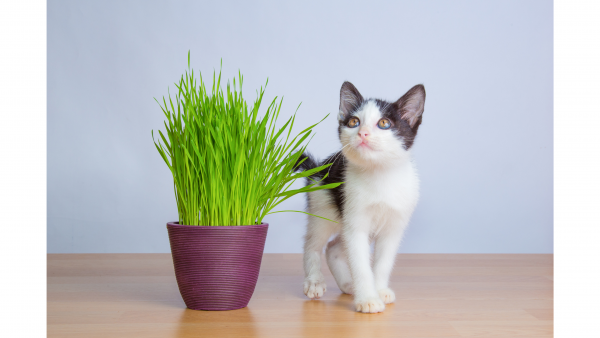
point(177, 225)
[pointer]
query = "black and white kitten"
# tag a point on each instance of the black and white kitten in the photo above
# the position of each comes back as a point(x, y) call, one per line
point(374, 204)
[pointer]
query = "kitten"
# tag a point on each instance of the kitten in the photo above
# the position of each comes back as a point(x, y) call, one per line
point(374, 204)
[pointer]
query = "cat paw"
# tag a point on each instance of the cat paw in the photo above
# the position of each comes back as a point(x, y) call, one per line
point(314, 289)
point(387, 295)
point(369, 305)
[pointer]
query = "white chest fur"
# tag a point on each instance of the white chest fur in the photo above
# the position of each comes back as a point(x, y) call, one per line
point(391, 191)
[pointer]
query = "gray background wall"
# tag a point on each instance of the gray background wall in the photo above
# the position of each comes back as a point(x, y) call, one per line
point(484, 150)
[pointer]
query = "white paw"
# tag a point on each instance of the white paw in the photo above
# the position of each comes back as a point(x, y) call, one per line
point(369, 305)
point(314, 289)
point(387, 295)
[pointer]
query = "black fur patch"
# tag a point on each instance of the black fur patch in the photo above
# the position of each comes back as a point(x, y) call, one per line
point(400, 126)
point(335, 173)
point(348, 90)
point(309, 162)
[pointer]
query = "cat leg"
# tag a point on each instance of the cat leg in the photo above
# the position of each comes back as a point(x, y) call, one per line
point(338, 265)
point(317, 234)
point(386, 248)
point(355, 236)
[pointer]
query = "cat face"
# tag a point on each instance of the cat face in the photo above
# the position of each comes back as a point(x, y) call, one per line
point(376, 132)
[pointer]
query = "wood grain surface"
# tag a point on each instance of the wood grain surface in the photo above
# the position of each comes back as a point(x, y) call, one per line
point(437, 295)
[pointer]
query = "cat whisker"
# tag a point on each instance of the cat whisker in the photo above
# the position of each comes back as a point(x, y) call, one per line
point(336, 158)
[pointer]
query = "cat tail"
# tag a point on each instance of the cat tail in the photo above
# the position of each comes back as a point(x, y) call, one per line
point(309, 162)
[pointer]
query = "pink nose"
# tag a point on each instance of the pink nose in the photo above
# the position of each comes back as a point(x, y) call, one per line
point(363, 134)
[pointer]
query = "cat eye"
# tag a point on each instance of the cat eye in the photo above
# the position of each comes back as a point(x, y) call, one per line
point(354, 122)
point(384, 124)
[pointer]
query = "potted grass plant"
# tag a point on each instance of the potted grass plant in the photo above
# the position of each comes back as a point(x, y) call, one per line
point(231, 167)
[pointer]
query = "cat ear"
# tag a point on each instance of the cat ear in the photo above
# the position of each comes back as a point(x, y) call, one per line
point(411, 105)
point(350, 100)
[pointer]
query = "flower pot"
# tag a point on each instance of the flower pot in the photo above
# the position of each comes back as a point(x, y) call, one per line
point(217, 266)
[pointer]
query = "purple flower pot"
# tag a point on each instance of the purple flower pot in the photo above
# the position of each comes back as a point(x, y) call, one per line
point(217, 266)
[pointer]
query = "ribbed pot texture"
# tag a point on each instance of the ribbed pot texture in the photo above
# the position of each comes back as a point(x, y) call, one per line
point(217, 266)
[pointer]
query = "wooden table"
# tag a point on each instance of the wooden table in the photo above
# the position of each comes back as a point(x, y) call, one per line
point(438, 295)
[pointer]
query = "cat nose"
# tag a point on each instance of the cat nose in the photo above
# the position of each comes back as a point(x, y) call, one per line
point(363, 134)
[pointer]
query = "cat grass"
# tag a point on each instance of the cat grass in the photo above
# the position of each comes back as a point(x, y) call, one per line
point(230, 165)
